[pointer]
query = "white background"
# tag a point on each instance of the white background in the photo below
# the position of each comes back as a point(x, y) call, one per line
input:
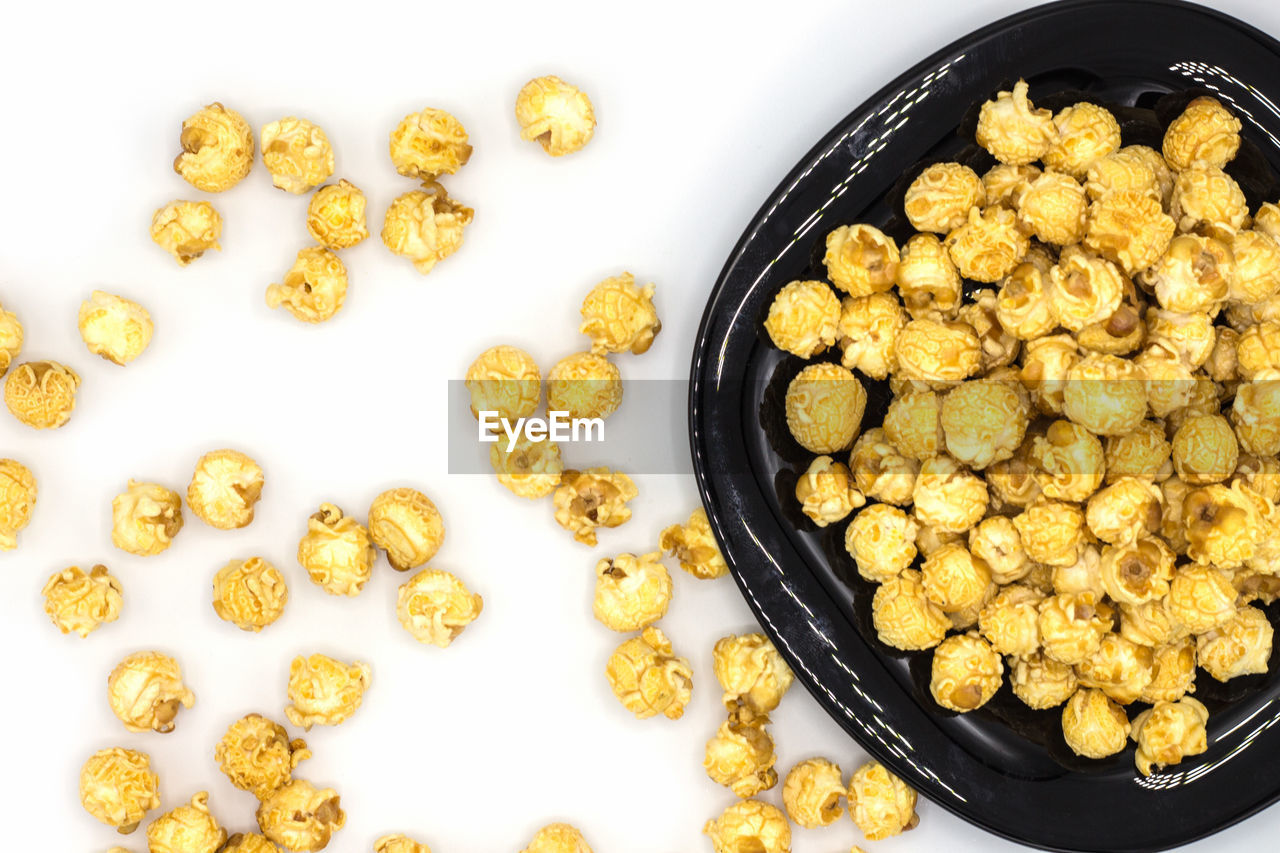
point(702, 108)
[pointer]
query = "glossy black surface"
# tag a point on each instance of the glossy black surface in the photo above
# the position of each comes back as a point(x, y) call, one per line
point(1004, 768)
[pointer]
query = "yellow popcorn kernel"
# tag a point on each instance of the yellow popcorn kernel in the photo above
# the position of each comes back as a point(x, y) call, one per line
point(504, 380)
point(186, 229)
point(983, 421)
point(1072, 626)
point(940, 198)
point(867, 330)
point(1130, 168)
point(1205, 450)
point(257, 755)
point(530, 469)
point(118, 787)
point(1205, 197)
point(1052, 532)
point(1255, 415)
point(1010, 621)
point(694, 545)
point(631, 592)
point(740, 757)
point(749, 825)
point(1024, 303)
point(903, 615)
point(41, 394)
point(555, 114)
point(825, 492)
point(596, 497)
point(314, 288)
point(250, 594)
point(861, 260)
point(1069, 462)
point(336, 551)
point(812, 792)
point(1257, 267)
point(1013, 130)
point(145, 518)
point(927, 280)
point(1105, 394)
point(425, 226)
point(249, 842)
point(1221, 526)
point(584, 385)
point(399, 843)
point(429, 143)
point(802, 318)
point(937, 352)
point(1206, 131)
point(751, 672)
point(881, 804)
point(1086, 134)
point(217, 149)
point(620, 317)
point(1041, 682)
point(1005, 183)
point(81, 601)
point(187, 829)
point(948, 496)
point(297, 153)
point(1240, 646)
point(881, 540)
point(1126, 510)
point(1119, 668)
point(1140, 453)
point(10, 338)
point(954, 579)
point(996, 541)
point(325, 691)
point(1201, 598)
point(406, 524)
point(824, 406)
point(145, 692)
point(1093, 725)
point(113, 327)
point(647, 678)
point(1129, 228)
point(558, 838)
point(1054, 208)
point(1168, 733)
point(966, 673)
point(224, 488)
point(879, 471)
point(1173, 671)
point(17, 500)
point(300, 817)
point(336, 215)
point(988, 245)
point(435, 606)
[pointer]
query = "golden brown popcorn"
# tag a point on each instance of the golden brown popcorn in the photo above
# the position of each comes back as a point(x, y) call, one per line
point(879, 471)
point(1105, 394)
point(41, 394)
point(1260, 474)
point(966, 673)
point(217, 149)
point(1140, 453)
point(1168, 381)
point(1052, 532)
point(1255, 415)
point(435, 606)
point(1130, 168)
point(297, 153)
point(399, 843)
point(1205, 450)
point(1013, 130)
point(1257, 267)
point(314, 288)
point(954, 579)
point(224, 489)
point(620, 317)
point(1129, 228)
point(988, 245)
point(187, 829)
point(750, 825)
point(1084, 575)
point(17, 500)
point(324, 691)
point(1127, 509)
point(1045, 364)
point(1119, 668)
point(631, 592)
point(186, 229)
point(596, 497)
point(881, 540)
point(1012, 483)
point(825, 492)
point(1054, 208)
point(530, 469)
point(740, 757)
point(1086, 134)
point(929, 537)
point(1201, 598)
point(861, 260)
point(336, 215)
point(113, 327)
point(250, 842)
point(1258, 349)
point(1093, 725)
point(82, 601)
point(145, 518)
point(812, 792)
point(1168, 733)
point(1005, 183)
point(118, 787)
point(996, 542)
point(1194, 274)
point(257, 755)
point(1024, 303)
point(145, 692)
point(983, 422)
point(928, 281)
point(10, 338)
point(1072, 626)
point(1084, 289)
point(425, 226)
point(903, 615)
point(940, 198)
point(867, 329)
point(966, 620)
point(802, 319)
point(647, 678)
point(1122, 332)
point(1173, 671)
point(300, 817)
point(1010, 621)
point(584, 385)
point(824, 405)
point(555, 114)
point(1240, 646)
point(554, 838)
point(694, 545)
point(336, 551)
point(937, 352)
point(504, 380)
point(1206, 131)
point(948, 496)
point(1267, 220)
point(1173, 525)
point(1221, 526)
point(1205, 197)
point(1254, 585)
point(881, 804)
point(1041, 682)
point(1191, 336)
point(429, 143)
point(1069, 462)
point(406, 524)
point(913, 424)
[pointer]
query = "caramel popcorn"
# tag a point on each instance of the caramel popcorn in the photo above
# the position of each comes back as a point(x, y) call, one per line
point(1140, 453)
point(903, 615)
point(983, 422)
point(1051, 532)
point(301, 817)
point(1205, 197)
point(1041, 682)
point(1046, 362)
point(324, 691)
point(555, 114)
point(1010, 621)
point(750, 825)
point(145, 518)
point(113, 327)
point(1053, 209)
point(1024, 303)
point(966, 673)
point(1255, 415)
point(802, 318)
point(400, 843)
point(434, 606)
point(557, 838)
point(1086, 134)
point(988, 245)
point(751, 672)
point(1173, 671)
point(1072, 626)
point(336, 215)
point(187, 829)
point(1168, 733)
point(336, 552)
point(1013, 130)
point(825, 493)
point(425, 226)
point(1084, 575)
point(1205, 132)
point(531, 469)
point(913, 424)
point(881, 804)
point(881, 540)
point(429, 143)
point(935, 351)
point(505, 380)
point(867, 329)
point(647, 678)
point(928, 281)
point(1005, 183)
point(314, 288)
point(740, 757)
point(953, 579)
point(824, 406)
point(1205, 450)
point(297, 153)
point(1093, 725)
point(250, 594)
point(1257, 267)
point(596, 497)
point(694, 545)
point(1119, 668)
point(1129, 228)
point(10, 338)
point(1105, 394)
point(17, 500)
point(585, 385)
point(1221, 526)
point(1130, 168)
point(1012, 483)
point(1127, 509)
point(812, 792)
point(999, 348)
point(861, 260)
point(1267, 220)
point(1190, 336)
point(879, 471)
point(1069, 462)
point(406, 524)
point(145, 692)
point(948, 496)
point(631, 592)
point(257, 755)
point(217, 149)
point(118, 787)
point(224, 488)
point(940, 198)
point(1084, 290)
point(250, 842)
point(996, 541)
point(620, 317)
point(1201, 598)
point(1168, 381)
point(81, 601)
point(1258, 349)
point(1239, 646)
point(41, 394)
point(186, 229)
